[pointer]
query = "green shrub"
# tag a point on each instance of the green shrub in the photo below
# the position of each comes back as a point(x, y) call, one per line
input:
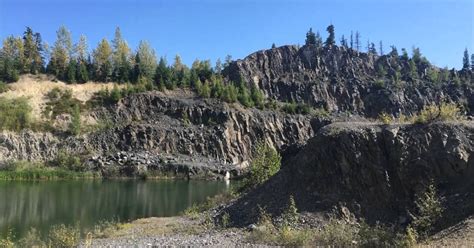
point(196, 209)
point(4, 87)
point(15, 114)
point(290, 215)
point(266, 233)
point(60, 102)
point(266, 162)
point(428, 210)
point(75, 125)
point(338, 234)
point(67, 161)
point(443, 112)
point(385, 118)
point(62, 236)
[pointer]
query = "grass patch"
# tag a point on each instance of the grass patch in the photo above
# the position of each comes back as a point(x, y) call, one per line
point(24, 170)
point(197, 209)
point(15, 114)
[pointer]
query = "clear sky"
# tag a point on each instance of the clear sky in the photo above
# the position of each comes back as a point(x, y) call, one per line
point(209, 29)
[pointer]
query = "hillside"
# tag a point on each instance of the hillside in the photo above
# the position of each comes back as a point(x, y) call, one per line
point(341, 79)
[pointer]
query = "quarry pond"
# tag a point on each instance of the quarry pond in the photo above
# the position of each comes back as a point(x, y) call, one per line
point(42, 204)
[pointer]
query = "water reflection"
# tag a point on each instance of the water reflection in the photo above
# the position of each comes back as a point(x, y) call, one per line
point(42, 204)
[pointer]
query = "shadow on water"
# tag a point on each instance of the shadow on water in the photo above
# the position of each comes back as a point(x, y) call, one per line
point(45, 203)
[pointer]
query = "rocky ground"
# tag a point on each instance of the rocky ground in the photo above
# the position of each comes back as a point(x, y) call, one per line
point(172, 232)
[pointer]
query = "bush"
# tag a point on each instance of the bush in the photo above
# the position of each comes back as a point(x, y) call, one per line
point(443, 112)
point(32, 239)
point(428, 211)
point(385, 118)
point(290, 215)
point(338, 234)
point(266, 233)
point(75, 125)
point(60, 102)
point(15, 114)
point(62, 236)
point(4, 87)
point(266, 162)
point(66, 161)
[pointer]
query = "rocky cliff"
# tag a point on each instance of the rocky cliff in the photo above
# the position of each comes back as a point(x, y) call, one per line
point(373, 170)
point(341, 79)
point(173, 127)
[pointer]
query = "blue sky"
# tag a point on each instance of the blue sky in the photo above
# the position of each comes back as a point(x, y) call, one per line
point(210, 29)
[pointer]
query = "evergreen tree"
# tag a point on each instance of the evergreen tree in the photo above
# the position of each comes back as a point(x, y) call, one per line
point(82, 73)
point(372, 49)
point(465, 60)
point(121, 58)
point(32, 51)
point(71, 71)
point(227, 61)
point(244, 96)
point(381, 48)
point(472, 62)
point(393, 52)
point(416, 55)
point(331, 40)
point(61, 53)
point(218, 67)
point(145, 62)
point(352, 41)
point(319, 40)
point(257, 97)
point(344, 41)
point(357, 40)
point(11, 59)
point(102, 57)
point(163, 75)
point(75, 125)
point(404, 55)
point(412, 70)
point(310, 37)
point(273, 45)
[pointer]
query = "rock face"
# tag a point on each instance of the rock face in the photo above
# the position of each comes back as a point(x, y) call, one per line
point(341, 79)
point(373, 170)
point(206, 130)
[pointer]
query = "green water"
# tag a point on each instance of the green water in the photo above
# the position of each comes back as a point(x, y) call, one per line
point(42, 204)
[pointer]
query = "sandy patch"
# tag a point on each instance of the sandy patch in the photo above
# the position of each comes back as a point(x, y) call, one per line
point(36, 87)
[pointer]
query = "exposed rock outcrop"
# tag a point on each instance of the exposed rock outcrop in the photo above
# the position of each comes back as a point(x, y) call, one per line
point(374, 170)
point(206, 130)
point(341, 79)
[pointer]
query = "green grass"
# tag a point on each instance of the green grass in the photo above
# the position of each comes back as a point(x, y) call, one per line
point(44, 173)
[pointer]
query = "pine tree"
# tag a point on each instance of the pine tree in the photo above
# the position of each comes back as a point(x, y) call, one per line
point(102, 57)
point(331, 40)
point(71, 72)
point(218, 67)
point(472, 62)
point(310, 37)
point(273, 45)
point(145, 62)
point(32, 51)
point(357, 40)
point(352, 41)
point(319, 40)
point(381, 48)
point(465, 60)
point(61, 52)
point(393, 52)
point(121, 58)
point(344, 41)
point(82, 73)
point(75, 125)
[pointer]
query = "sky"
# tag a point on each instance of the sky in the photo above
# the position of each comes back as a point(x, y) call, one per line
point(211, 29)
